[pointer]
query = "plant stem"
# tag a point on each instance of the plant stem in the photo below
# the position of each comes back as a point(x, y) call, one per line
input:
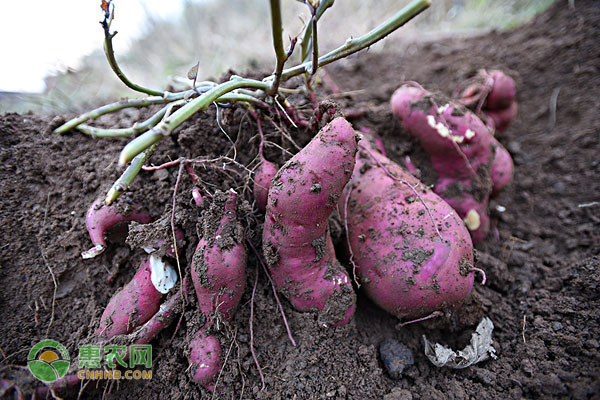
point(353, 45)
point(121, 105)
point(125, 132)
point(315, 46)
point(165, 127)
point(277, 45)
point(306, 36)
point(110, 55)
point(122, 184)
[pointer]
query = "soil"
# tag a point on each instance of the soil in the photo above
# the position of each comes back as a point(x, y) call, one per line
point(542, 258)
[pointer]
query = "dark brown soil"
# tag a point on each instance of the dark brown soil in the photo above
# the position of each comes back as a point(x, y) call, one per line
point(542, 260)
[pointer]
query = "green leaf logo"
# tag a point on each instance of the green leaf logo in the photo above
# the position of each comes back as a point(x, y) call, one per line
point(48, 361)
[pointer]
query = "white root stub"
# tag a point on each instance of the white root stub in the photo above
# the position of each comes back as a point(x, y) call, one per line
point(163, 276)
point(472, 220)
point(443, 130)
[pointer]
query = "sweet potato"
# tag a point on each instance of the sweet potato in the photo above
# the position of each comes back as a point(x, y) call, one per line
point(296, 240)
point(412, 252)
point(502, 93)
point(262, 180)
point(502, 169)
point(218, 274)
point(101, 218)
point(502, 118)
point(204, 358)
point(462, 151)
point(139, 300)
point(493, 93)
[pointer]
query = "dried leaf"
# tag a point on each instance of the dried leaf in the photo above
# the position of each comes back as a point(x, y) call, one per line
point(104, 5)
point(478, 350)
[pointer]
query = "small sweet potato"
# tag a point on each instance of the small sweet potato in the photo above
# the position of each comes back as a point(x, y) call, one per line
point(101, 218)
point(218, 273)
point(262, 180)
point(296, 240)
point(502, 118)
point(503, 92)
point(412, 252)
point(205, 358)
point(493, 93)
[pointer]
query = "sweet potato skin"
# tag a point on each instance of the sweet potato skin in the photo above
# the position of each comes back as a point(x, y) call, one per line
point(502, 118)
point(262, 181)
point(503, 91)
point(296, 241)
point(462, 151)
point(404, 265)
point(132, 306)
point(100, 218)
point(494, 93)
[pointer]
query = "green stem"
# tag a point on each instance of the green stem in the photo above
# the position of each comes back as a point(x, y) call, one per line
point(353, 45)
point(122, 184)
point(155, 119)
point(165, 127)
point(125, 132)
point(112, 61)
point(121, 105)
point(315, 46)
point(277, 45)
point(305, 44)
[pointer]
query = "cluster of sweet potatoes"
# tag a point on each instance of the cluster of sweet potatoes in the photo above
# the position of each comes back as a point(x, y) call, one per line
point(409, 246)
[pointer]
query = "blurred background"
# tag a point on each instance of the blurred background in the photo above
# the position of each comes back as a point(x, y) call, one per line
point(53, 60)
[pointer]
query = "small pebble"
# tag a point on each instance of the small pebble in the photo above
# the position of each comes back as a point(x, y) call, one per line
point(557, 326)
point(396, 357)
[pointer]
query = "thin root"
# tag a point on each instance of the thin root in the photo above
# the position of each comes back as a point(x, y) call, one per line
point(430, 316)
point(262, 377)
point(348, 239)
point(482, 272)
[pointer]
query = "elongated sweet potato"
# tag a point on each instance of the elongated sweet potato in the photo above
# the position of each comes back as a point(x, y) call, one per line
point(139, 300)
point(412, 252)
point(218, 273)
point(462, 151)
point(296, 241)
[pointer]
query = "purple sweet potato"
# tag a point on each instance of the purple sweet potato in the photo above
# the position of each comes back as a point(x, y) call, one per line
point(462, 151)
point(503, 92)
point(296, 240)
point(218, 274)
point(493, 90)
point(204, 358)
point(502, 170)
point(493, 93)
point(502, 118)
point(262, 180)
point(138, 300)
point(412, 252)
point(101, 218)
